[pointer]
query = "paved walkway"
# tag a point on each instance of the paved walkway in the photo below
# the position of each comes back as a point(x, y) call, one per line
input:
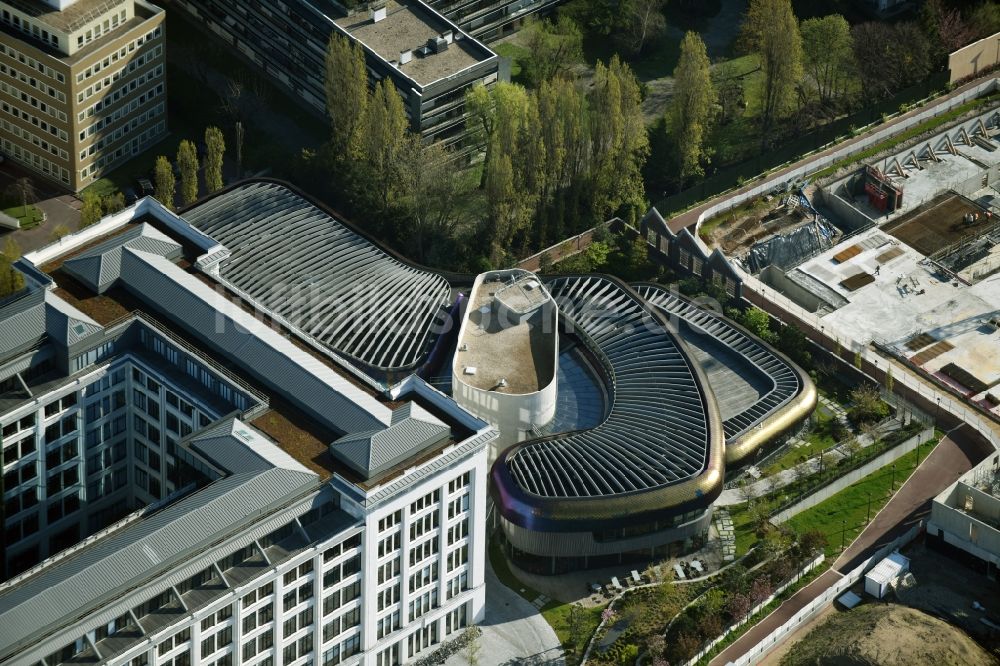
point(514, 632)
point(690, 217)
point(949, 460)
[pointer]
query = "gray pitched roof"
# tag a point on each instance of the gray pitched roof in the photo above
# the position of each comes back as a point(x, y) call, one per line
point(412, 430)
point(322, 277)
point(23, 326)
point(97, 573)
point(99, 267)
point(66, 324)
point(236, 446)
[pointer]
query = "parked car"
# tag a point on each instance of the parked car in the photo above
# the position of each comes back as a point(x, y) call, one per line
point(144, 186)
point(130, 196)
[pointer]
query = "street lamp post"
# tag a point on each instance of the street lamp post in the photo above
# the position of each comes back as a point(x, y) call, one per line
point(869, 508)
point(893, 485)
point(843, 534)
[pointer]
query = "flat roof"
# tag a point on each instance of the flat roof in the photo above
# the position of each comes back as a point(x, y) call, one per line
point(74, 17)
point(509, 356)
point(408, 26)
point(922, 312)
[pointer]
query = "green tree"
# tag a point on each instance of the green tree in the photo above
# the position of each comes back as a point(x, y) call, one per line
point(757, 322)
point(506, 119)
point(985, 19)
point(619, 142)
point(555, 46)
point(11, 279)
point(643, 22)
point(563, 117)
point(163, 182)
point(867, 405)
point(727, 79)
point(11, 249)
point(432, 190)
point(92, 210)
point(59, 232)
point(113, 203)
point(829, 54)
point(187, 162)
point(215, 150)
point(378, 148)
point(772, 31)
point(24, 189)
point(346, 91)
point(691, 108)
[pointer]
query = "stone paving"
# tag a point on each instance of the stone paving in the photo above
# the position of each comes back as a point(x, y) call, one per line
point(724, 526)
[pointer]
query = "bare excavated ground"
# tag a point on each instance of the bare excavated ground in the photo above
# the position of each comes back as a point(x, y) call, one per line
point(877, 634)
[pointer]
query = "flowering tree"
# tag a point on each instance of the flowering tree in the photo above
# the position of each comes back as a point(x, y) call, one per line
point(760, 589)
point(739, 606)
point(608, 615)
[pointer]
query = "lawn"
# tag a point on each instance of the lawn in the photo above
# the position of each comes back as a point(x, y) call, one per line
point(28, 220)
point(658, 58)
point(844, 516)
point(518, 55)
point(820, 438)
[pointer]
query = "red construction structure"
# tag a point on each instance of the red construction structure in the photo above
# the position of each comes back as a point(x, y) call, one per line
point(882, 193)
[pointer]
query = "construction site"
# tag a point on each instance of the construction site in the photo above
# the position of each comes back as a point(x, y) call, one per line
point(914, 266)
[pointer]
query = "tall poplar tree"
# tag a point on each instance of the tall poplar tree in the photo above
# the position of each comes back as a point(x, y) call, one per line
point(187, 162)
point(619, 142)
point(691, 108)
point(163, 182)
point(346, 91)
point(772, 31)
point(215, 150)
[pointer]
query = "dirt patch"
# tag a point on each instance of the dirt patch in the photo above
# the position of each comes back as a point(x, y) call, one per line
point(938, 224)
point(886, 635)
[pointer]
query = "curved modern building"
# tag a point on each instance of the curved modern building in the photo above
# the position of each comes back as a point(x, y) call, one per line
point(643, 481)
point(505, 364)
point(761, 393)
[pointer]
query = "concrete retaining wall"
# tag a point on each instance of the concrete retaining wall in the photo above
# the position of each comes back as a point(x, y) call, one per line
point(873, 465)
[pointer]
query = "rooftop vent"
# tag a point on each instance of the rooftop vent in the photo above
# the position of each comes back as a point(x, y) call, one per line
point(469, 370)
point(437, 44)
point(377, 10)
point(405, 56)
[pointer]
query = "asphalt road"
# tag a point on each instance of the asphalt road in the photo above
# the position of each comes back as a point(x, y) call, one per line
point(949, 460)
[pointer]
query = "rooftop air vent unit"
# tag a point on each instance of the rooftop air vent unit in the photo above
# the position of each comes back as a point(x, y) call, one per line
point(437, 45)
point(377, 10)
point(405, 56)
point(470, 370)
point(448, 36)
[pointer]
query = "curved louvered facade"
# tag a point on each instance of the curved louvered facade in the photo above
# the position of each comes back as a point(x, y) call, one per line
point(323, 278)
point(656, 460)
point(790, 395)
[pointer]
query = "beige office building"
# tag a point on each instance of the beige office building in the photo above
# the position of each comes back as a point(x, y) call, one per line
point(82, 85)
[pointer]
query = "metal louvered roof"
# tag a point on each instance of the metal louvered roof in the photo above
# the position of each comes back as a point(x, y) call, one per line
point(322, 277)
point(657, 431)
point(785, 382)
point(274, 360)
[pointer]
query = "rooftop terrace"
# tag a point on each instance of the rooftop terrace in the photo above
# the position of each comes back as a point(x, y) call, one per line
point(508, 344)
